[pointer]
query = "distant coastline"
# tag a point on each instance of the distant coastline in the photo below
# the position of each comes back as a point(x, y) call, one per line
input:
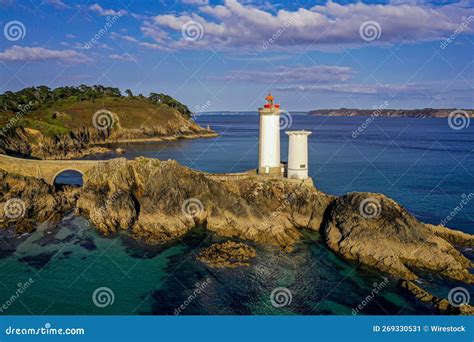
point(395, 113)
point(409, 113)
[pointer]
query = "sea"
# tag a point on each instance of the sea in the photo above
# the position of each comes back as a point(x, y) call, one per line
point(424, 164)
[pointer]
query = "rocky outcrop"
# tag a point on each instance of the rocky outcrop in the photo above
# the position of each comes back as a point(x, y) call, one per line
point(441, 304)
point(26, 201)
point(159, 201)
point(84, 141)
point(162, 200)
point(376, 231)
point(227, 254)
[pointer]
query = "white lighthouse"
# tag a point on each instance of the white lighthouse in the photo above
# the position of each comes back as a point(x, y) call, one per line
point(298, 154)
point(269, 143)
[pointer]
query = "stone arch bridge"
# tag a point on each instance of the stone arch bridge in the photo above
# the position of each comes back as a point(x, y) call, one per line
point(47, 170)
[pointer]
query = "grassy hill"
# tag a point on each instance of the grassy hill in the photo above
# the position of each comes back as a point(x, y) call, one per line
point(54, 114)
point(61, 122)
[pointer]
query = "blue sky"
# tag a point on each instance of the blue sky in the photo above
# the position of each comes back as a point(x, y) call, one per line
point(225, 55)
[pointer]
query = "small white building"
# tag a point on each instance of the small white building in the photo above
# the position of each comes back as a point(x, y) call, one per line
point(269, 143)
point(298, 154)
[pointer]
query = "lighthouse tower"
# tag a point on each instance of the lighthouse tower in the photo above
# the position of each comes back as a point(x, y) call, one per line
point(298, 154)
point(269, 143)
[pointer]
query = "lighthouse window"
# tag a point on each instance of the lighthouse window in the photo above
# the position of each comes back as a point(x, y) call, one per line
point(302, 166)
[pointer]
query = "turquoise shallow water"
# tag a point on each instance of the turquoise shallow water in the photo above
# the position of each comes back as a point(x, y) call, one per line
point(422, 164)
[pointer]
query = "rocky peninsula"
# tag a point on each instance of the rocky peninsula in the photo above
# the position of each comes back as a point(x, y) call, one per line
point(160, 201)
point(73, 122)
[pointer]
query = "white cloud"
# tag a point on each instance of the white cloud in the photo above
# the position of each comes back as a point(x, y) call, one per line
point(58, 4)
point(125, 37)
point(299, 74)
point(195, 2)
point(34, 54)
point(153, 46)
point(123, 57)
point(427, 91)
point(106, 12)
point(234, 25)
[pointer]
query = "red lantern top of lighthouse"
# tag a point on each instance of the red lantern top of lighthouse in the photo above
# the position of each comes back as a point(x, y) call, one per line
point(270, 103)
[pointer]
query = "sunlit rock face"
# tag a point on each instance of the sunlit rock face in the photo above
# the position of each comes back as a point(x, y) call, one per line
point(377, 231)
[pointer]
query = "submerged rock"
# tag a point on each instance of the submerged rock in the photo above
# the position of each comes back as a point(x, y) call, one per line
point(227, 254)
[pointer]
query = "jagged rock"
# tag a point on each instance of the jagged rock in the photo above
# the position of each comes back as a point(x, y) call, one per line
point(159, 201)
point(164, 194)
point(441, 304)
point(227, 254)
point(24, 201)
point(387, 237)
